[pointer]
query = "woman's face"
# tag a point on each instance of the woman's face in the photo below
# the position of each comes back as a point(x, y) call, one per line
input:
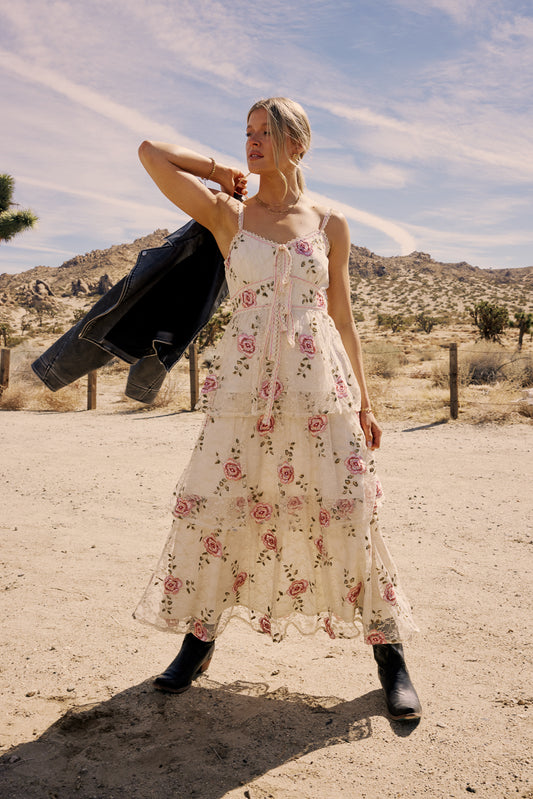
point(259, 151)
point(258, 142)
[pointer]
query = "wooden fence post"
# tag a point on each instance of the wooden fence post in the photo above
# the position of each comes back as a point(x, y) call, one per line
point(454, 382)
point(193, 373)
point(5, 358)
point(91, 391)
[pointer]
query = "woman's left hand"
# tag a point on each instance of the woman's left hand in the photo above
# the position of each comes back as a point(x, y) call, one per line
point(232, 181)
point(371, 429)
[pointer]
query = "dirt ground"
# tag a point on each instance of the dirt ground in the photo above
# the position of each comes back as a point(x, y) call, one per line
point(85, 511)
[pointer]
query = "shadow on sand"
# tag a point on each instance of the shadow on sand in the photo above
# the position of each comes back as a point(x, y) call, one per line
point(142, 744)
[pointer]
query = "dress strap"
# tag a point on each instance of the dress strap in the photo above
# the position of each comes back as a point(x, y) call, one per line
point(325, 220)
point(241, 216)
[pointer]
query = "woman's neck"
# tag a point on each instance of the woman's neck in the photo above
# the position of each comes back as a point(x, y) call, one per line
point(273, 191)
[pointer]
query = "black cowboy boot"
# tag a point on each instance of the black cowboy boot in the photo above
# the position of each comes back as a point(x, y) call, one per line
point(402, 700)
point(193, 658)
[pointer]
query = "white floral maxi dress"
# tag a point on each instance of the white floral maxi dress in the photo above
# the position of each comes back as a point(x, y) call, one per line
point(275, 517)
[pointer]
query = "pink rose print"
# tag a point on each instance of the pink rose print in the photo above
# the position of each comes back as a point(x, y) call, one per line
point(213, 546)
point(328, 628)
point(264, 623)
point(319, 543)
point(182, 507)
point(265, 426)
point(317, 424)
point(304, 248)
point(172, 584)
point(341, 388)
point(265, 388)
point(241, 503)
point(285, 473)
point(389, 595)
point(345, 506)
point(353, 594)
point(379, 490)
point(239, 581)
point(262, 512)
point(375, 637)
point(232, 470)
point(210, 384)
point(297, 587)
point(200, 631)
point(320, 300)
point(324, 517)
point(269, 540)
point(246, 344)
point(355, 464)
point(248, 298)
point(294, 504)
point(307, 345)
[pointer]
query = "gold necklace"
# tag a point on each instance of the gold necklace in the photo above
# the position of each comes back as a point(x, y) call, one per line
point(276, 208)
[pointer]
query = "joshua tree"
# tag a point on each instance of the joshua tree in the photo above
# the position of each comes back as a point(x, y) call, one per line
point(524, 322)
point(12, 222)
point(490, 319)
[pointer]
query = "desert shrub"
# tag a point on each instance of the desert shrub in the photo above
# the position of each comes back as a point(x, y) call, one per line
point(490, 319)
point(425, 322)
point(525, 410)
point(214, 328)
point(29, 396)
point(6, 332)
point(27, 392)
point(487, 364)
point(78, 314)
point(394, 322)
point(174, 394)
point(440, 373)
point(382, 361)
point(519, 370)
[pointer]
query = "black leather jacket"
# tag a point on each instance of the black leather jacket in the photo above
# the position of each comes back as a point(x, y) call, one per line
point(148, 319)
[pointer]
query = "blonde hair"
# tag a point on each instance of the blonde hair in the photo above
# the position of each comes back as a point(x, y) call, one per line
point(286, 120)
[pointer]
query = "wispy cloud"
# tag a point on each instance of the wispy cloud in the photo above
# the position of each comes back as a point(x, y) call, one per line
point(121, 202)
point(460, 11)
point(393, 230)
point(412, 135)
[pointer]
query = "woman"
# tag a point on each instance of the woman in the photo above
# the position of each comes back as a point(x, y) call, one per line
point(275, 517)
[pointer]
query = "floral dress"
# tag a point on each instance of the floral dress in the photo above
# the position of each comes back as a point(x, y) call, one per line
point(275, 516)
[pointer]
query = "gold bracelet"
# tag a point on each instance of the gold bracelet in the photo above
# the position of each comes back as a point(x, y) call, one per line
point(366, 410)
point(213, 167)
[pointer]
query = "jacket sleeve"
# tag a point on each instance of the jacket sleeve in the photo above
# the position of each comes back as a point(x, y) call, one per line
point(156, 310)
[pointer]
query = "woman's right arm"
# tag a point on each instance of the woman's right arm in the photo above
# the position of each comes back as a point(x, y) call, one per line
point(175, 171)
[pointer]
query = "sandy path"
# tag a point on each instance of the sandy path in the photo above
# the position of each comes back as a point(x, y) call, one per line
point(84, 514)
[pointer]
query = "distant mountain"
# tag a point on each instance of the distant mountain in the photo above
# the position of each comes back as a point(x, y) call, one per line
point(115, 262)
point(413, 283)
point(396, 284)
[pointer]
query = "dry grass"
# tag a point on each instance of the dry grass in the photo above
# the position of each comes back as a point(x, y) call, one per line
point(408, 379)
point(382, 361)
point(26, 395)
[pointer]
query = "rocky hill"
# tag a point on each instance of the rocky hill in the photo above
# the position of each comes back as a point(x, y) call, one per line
point(398, 284)
point(413, 283)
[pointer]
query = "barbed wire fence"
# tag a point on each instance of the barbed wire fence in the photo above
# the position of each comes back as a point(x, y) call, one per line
point(451, 360)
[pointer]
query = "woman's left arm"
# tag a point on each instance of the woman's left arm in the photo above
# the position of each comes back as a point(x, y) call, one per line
point(340, 310)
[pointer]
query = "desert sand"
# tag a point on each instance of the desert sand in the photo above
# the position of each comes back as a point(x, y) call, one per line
point(85, 511)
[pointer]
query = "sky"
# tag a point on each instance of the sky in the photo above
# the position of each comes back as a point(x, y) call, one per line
point(421, 112)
